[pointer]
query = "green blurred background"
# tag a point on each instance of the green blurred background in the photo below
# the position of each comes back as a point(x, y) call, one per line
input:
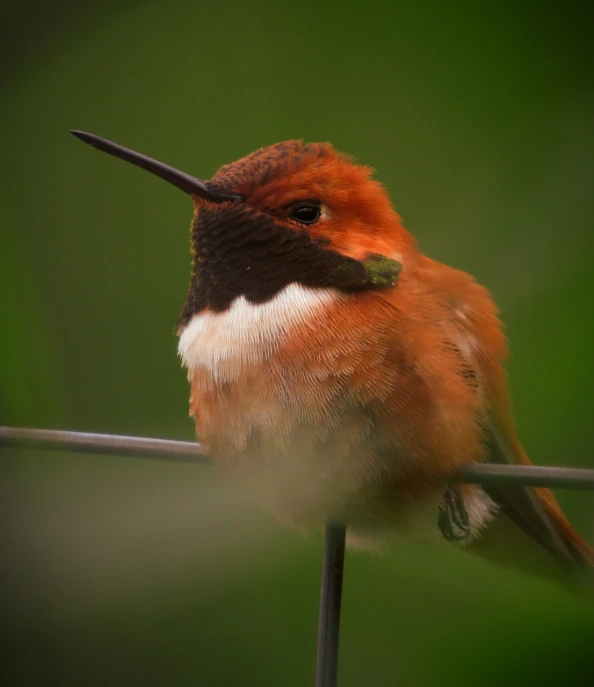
point(478, 118)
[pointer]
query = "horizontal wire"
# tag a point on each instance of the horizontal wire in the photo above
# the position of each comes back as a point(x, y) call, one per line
point(525, 476)
point(104, 444)
point(190, 452)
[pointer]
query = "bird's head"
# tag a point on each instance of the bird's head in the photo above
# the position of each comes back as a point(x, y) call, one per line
point(289, 213)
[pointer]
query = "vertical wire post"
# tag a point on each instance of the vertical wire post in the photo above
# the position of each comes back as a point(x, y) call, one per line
point(330, 600)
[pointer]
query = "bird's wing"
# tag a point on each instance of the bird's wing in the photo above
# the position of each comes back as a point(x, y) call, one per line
point(479, 337)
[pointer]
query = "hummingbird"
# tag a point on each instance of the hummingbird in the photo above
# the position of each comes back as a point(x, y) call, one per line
point(341, 372)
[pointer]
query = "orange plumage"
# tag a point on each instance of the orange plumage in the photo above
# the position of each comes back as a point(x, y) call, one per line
point(363, 410)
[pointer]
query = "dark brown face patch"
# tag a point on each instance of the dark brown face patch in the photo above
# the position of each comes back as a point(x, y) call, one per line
point(240, 251)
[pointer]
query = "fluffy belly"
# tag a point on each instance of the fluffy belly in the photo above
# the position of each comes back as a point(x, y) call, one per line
point(273, 404)
point(303, 405)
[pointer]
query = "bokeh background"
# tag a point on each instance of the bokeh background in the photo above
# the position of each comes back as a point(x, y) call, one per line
point(478, 118)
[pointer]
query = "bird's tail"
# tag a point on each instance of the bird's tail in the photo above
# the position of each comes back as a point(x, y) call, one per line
point(531, 523)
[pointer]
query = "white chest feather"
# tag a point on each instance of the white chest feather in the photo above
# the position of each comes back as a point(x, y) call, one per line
point(248, 333)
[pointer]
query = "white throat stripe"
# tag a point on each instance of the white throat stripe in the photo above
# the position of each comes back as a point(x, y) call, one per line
point(248, 332)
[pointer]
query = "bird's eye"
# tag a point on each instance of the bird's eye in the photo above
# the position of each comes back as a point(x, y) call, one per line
point(306, 212)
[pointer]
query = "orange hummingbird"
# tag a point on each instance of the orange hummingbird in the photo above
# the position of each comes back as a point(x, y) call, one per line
point(344, 370)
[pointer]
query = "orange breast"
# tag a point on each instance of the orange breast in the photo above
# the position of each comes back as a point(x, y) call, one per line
point(353, 412)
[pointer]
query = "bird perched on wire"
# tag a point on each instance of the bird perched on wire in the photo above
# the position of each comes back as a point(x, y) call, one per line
point(344, 371)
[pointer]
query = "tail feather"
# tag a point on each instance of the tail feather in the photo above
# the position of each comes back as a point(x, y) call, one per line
point(505, 544)
point(582, 553)
point(536, 513)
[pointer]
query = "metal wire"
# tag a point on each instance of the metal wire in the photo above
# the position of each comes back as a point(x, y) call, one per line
point(526, 476)
point(330, 601)
point(190, 452)
point(104, 444)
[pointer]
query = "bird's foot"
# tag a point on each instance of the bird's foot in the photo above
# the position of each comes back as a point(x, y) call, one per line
point(453, 517)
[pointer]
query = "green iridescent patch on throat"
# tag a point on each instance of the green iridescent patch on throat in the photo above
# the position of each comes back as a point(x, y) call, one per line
point(376, 272)
point(381, 271)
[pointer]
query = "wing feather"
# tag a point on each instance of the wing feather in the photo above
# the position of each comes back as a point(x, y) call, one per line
point(481, 343)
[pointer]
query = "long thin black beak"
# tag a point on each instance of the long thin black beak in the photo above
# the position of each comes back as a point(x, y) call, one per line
point(191, 185)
